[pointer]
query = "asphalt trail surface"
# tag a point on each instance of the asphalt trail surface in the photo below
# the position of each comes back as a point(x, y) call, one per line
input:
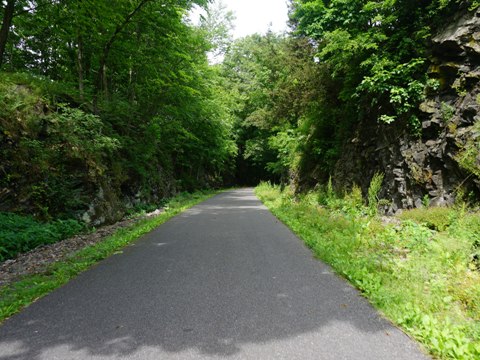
point(223, 280)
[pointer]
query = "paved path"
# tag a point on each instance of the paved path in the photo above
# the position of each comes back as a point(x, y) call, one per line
point(224, 280)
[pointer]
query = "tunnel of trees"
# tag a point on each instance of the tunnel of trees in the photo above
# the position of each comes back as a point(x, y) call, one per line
point(117, 99)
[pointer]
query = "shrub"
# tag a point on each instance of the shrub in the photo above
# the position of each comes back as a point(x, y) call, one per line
point(467, 158)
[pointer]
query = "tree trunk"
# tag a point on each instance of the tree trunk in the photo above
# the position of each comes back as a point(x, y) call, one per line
point(105, 81)
point(80, 67)
point(5, 29)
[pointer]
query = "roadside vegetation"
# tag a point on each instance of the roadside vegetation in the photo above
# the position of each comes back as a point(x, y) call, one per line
point(19, 234)
point(421, 269)
point(18, 295)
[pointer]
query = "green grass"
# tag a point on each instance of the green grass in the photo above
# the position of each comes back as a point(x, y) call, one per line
point(437, 218)
point(421, 272)
point(20, 294)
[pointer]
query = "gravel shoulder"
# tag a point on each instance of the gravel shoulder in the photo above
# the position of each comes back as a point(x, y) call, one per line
point(38, 260)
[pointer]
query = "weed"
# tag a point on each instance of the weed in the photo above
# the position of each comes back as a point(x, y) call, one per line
point(373, 190)
point(426, 201)
point(447, 112)
point(327, 195)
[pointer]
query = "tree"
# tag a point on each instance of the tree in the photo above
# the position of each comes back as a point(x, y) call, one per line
point(8, 10)
point(217, 23)
point(142, 70)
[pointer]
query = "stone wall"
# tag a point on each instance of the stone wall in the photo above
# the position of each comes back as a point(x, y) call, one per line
point(426, 169)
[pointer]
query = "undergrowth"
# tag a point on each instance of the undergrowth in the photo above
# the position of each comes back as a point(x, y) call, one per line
point(20, 233)
point(18, 295)
point(421, 270)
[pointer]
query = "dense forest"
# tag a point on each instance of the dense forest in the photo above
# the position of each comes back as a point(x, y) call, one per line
point(110, 105)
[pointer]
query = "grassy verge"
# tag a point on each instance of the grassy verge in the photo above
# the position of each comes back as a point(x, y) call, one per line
point(22, 293)
point(420, 270)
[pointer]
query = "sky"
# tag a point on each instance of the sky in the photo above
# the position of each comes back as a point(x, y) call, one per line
point(255, 16)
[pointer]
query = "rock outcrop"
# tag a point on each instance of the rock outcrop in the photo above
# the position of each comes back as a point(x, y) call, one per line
point(444, 162)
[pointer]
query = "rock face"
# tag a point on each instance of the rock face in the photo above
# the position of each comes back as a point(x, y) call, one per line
point(110, 204)
point(445, 160)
